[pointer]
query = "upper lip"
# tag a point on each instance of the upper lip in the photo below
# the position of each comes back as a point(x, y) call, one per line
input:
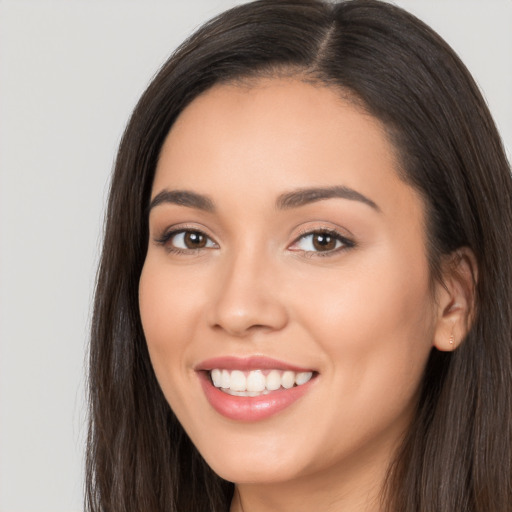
point(247, 364)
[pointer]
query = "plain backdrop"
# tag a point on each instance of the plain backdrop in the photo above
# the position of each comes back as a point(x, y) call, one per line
point(70, 73)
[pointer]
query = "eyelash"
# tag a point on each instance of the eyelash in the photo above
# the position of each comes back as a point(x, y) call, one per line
point(345, 242)
point(169, 235)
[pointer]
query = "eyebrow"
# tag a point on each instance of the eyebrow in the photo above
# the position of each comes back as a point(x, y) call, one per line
point(286, 201)
point(304, 196)
point(183, 198)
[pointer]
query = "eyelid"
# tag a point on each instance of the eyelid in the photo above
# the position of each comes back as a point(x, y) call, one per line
point(347, 243)
point(171, 231)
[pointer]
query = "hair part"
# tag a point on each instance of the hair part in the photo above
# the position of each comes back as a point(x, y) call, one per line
point(457, 455)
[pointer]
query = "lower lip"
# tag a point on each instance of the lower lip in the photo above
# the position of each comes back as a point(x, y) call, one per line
point(251, 408)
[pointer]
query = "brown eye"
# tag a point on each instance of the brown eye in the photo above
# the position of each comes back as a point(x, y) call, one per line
point(194, 240)
point(187, 240)
point(323, 242)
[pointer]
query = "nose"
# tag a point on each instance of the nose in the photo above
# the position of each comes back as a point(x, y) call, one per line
point(247, 299)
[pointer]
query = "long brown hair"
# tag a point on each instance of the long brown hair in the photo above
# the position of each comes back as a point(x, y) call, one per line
point(457, 455)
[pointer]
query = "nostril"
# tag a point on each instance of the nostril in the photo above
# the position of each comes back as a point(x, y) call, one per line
point(246, 299)
point(248, 317)
point(241, 331)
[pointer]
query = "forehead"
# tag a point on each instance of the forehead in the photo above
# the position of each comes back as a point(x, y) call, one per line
point(271, 135)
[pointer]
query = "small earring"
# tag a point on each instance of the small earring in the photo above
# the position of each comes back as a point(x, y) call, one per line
point(451, 340)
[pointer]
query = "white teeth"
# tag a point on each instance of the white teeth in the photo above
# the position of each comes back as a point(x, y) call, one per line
point(225, 379)
point(288, 380)
point(245, 393)
point(274, 380)
point(238, 381)
point(302, 378)
point(255, 383)
point(217, 378)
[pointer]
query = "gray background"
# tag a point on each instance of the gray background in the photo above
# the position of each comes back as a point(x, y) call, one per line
point(70, 73)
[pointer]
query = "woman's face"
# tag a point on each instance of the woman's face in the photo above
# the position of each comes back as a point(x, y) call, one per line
point(285, 249)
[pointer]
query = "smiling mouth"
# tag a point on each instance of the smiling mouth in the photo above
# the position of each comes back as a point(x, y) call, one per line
point(251, 389)
point(257, 382)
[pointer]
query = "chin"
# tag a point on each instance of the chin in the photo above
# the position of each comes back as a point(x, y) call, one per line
point(253, 457)
point(254, 470)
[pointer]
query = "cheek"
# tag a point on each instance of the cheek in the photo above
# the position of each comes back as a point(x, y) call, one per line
point(379, 294)
point(167, 309)
point(375, 324)
point(169, 313)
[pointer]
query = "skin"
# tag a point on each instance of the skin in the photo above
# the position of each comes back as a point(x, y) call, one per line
point(364, 316)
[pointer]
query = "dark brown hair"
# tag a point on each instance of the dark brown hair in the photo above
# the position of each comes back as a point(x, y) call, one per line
point(457, 455)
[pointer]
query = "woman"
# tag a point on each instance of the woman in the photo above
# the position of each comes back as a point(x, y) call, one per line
point(304, 296)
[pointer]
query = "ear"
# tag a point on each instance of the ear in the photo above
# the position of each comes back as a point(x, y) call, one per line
point(455, 299)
